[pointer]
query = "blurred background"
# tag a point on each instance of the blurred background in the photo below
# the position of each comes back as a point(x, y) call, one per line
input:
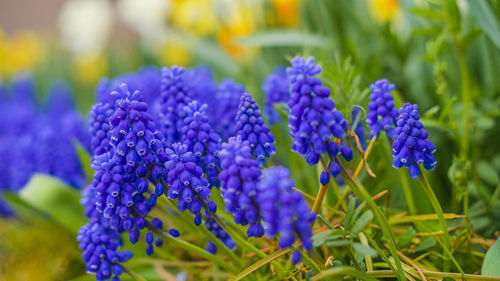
point(443, 55)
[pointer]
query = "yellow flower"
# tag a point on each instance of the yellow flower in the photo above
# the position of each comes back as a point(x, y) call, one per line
point(20, 52)
point(286, 12)
point(384, 10)
point(174, 54)
point(194, 16)
point(88, 68)
point(239, 22)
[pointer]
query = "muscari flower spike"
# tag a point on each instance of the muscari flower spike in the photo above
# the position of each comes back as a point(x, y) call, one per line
point(219, 232)
point(276, 88)
point(313, 119)
point(174, 97)
point(224, 107)
point(381, 111)
point(122, 176)
point(202, 140)
point(411, 146)
point(284, 210)
point(187, 183)
point(239, 177)
point(251, 128)
point(100, 128)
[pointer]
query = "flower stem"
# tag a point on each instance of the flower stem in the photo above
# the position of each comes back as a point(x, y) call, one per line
point(437, 208)
point(321, 193)
point(363, 194)
point(367, 153)
point(133, 274)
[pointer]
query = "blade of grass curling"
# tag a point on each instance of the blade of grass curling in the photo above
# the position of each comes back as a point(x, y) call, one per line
point(361, 192)
point(343, 271)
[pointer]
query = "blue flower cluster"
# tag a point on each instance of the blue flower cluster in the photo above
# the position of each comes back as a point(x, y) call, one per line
point(100, 128)
point(284, 210)
point(239, 177)
point(411, 146)
point(381, 111)
point(174, 97)
point(276, 88)
point(39, 139)
point(187, 183)
point(201, 140)
point(251, 127)
point(224, 107)
point(313, 119)
point(220, 233)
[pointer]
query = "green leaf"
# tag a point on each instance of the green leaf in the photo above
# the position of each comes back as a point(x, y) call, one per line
point(428, 13)
point(487, 173)
point(425, 244)
point(470, 36)
point(338, 243)
point(361, 223)
point(53, 197)
point(84, 157)
point(431, 32)
point(406, 238)
point(284, 38)
point(486, 19)
point(364, 250)
point(349, 214)
point(491, 263)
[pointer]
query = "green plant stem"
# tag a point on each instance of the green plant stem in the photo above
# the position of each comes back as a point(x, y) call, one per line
point(407, 191)
point(321, 194)
point(132, 274)
point(363, 194)
point(242, 242)
point(195, 249)
point(439, 211)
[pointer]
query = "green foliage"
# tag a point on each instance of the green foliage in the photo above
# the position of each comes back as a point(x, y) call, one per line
point(491, 263)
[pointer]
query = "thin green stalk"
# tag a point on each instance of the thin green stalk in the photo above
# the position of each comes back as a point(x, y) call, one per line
point(195, 249)
point(132, 274)
point(437, 208)
point(321, 193)
point(244, 244)
point(363, 194)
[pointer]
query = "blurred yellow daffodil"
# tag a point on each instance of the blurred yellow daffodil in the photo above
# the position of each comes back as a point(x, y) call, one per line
point(20, 52)
point(175, 54)
point(196, 17)
point(286, 12)
point(88, 68)
point(384, 10)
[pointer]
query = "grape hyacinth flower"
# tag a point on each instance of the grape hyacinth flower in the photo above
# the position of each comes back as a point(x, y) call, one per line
point(225, 107)
point(239, 177)
point(276, 88)
point(411, 146)
point(174, 97)
point(284, 210)
point(202, 140)
point(100, 244)
point(251, 127)
point(219, 232)
point(187, 183)
point(313, 119)
point(100, 128)
point(381, 111)
point(121, 177)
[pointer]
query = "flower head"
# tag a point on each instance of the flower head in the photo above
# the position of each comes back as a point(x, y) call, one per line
point(284, 210)
point(239, 177)
point(201, 140)
point(313, 119)
point(276, 88)
point(411, 146)
point(174, 97)
point(100, 128)
point(251, 128)
point(187, 183)
point(224, 108)
point(381, 111)
point(219, 232)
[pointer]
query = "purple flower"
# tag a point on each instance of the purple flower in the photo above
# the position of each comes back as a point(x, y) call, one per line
point(251, 128)
point(100, 128)
point(381, 112)
point(284, 210)
point(174, 97)
point(219, 232)
point(276, 88)
point(201, 140)
point(411, 146)
point(224, 108)
point(239, 177)
point(201, 83)
point(313, 119)
point(187, 183)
